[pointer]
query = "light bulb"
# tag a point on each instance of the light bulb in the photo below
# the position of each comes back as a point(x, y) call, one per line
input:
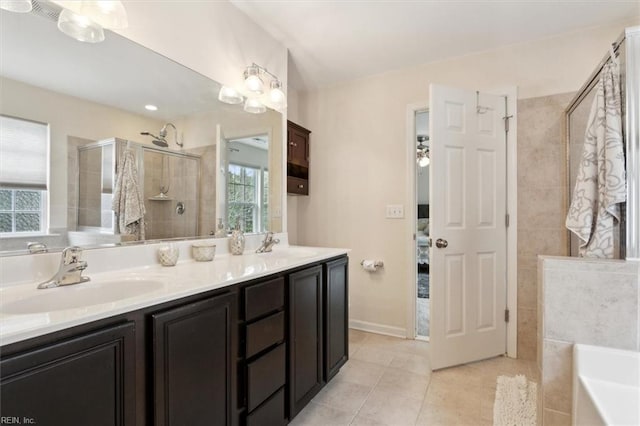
point(254, 106)
point(277, 97)
point(80, 27)
point(252, 80)
point(424, 161)
point(107, 13)
point(19, 6)
point(229, 95)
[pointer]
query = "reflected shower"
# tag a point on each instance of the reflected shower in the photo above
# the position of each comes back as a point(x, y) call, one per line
point(161, 139)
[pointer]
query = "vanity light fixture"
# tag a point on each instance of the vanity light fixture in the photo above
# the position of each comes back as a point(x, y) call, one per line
point(19, 6)
point(422, 152)
point(252, 80)
point(254, 106)
point(106, 13)
point(80, 27)
point(254, 87)
point(86, 20)
point(277, 97)
point(229, 95)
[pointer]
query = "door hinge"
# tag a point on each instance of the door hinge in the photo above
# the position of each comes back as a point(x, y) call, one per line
point(506, 123)
point(414, 237)
point(506, 315)
point(506, 220)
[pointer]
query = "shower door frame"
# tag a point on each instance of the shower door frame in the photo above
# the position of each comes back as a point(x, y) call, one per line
point(627, 44)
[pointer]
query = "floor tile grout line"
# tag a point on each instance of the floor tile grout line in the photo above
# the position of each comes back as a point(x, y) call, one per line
point(386, 367)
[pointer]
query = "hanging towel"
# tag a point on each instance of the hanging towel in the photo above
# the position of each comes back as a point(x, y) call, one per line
point(601, 181)
point(127, 202)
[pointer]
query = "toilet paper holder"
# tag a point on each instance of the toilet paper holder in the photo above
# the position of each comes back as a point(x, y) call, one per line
point(376, 264)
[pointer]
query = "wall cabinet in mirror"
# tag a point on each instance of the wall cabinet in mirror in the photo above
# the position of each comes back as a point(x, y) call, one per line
point(297, 159)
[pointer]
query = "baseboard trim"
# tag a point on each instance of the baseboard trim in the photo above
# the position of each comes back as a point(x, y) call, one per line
point(373, 327)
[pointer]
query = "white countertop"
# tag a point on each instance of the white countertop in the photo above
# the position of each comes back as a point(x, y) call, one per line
point(26, 312)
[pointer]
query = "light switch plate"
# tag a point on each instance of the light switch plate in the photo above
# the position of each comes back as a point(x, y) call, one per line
point(395, 211)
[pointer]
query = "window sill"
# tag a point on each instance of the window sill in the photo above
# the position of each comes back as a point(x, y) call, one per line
point(27, 235)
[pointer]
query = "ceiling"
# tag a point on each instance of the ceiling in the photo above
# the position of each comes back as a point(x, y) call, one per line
point(335, 41)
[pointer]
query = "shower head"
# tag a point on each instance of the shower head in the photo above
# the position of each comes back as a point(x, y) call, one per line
point(157, 140)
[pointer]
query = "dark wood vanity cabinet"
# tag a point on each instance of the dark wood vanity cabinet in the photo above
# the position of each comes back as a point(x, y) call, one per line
point(305, 337)
point(84, 380)
point(297, 159)
point(336, 318)
point(250, 354)
point(194, 360)
point(264, 347)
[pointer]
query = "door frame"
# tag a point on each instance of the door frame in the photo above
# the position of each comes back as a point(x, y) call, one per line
point(511, 93)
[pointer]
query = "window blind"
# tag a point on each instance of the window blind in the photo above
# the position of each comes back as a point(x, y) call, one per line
point(23, 153)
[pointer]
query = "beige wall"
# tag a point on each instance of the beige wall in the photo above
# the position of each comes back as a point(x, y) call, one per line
point(358, 160)
point(211, 37)
point(68, 116)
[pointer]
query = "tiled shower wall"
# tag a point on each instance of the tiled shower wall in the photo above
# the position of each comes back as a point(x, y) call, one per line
point(593, 302)
point(542, 189)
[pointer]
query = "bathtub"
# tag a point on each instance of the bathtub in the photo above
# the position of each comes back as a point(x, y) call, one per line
point(606, 386)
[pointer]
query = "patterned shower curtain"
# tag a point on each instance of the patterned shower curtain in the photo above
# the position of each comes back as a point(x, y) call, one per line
point(601, 182)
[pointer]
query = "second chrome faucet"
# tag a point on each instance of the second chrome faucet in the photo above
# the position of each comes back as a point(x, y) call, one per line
point(268, 243)
point(69, 271)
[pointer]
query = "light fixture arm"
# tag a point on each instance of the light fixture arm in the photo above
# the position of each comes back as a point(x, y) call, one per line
point(263, 70)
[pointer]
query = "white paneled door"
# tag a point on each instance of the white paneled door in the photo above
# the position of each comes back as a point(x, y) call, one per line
point(468, 229)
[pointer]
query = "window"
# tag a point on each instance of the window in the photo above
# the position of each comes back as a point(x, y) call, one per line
point(21, 210)
point(23, 175)
point(248, 197)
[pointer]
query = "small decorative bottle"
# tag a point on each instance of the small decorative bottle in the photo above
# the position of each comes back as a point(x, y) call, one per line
point(220, 231)
point(236, 240)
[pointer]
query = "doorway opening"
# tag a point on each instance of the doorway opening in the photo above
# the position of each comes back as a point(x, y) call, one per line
point(422, 299)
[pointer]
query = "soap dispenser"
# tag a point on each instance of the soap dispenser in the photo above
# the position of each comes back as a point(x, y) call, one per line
point(236, 240)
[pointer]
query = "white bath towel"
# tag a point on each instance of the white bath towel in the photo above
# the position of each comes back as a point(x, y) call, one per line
point(601, 181)
point(128, 203)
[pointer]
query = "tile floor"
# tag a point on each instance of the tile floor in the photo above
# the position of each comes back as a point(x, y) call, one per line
point(387, 381)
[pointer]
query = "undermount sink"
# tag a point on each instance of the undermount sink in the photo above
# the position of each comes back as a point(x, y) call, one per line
point(293, 253)
point(81, 295)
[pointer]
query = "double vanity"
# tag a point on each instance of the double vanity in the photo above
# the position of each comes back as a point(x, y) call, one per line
point(240, 340)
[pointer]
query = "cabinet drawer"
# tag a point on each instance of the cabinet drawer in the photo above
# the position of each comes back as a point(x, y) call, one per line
point(297, 186)
point(264, 333)
point(265, 375)
point(263, 298)
point(270, 413)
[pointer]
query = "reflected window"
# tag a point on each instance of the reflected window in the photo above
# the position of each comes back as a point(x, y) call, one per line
point(23, 176)
point(247, 197)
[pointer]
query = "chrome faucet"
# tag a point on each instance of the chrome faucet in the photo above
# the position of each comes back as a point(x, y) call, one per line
point(36, 247)
point(268, 243)
point(70, 270)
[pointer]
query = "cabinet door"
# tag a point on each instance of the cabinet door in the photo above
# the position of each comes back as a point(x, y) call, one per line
point(86, 380)
point(193, 363)
point(305, 337)
point(298, 152)
point(336, 326)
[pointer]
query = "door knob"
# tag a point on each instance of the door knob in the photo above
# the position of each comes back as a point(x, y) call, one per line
point(440, 243)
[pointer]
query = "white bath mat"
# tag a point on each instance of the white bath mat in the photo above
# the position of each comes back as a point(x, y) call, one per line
point(515, 403)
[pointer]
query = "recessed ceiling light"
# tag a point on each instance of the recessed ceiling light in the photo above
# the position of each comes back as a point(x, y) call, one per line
point(151, 107)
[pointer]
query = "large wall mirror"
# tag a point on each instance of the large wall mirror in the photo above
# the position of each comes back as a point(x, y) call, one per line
point(68, 112)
